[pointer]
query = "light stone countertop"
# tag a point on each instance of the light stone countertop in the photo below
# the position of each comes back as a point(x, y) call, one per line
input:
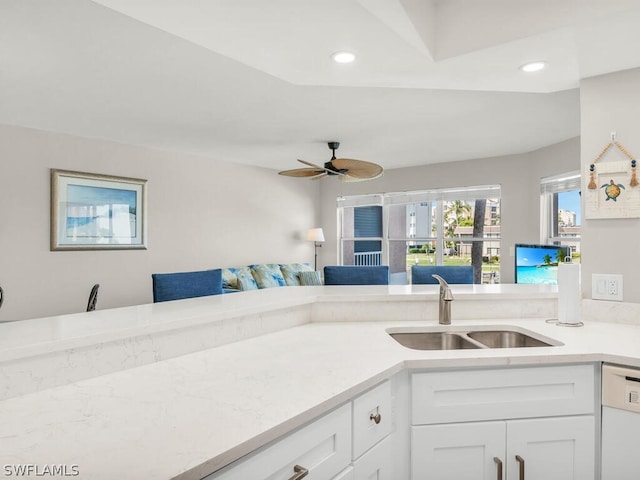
point(190, 415)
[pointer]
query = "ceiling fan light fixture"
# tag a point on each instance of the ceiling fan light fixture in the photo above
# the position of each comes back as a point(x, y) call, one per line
point(343, 57)
point(533, 66)
point(347, 169)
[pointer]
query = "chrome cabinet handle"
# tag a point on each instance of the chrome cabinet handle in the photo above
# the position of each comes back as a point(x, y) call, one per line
point(499, 467)
point(520, 460)
point(376, 418)
point(300, 472)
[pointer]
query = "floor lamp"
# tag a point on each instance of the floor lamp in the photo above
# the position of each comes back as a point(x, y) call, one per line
point(315, 235)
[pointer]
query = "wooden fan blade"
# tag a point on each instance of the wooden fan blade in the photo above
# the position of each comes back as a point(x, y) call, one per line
point(302, 172)
point(323, 174)
point(358, 169)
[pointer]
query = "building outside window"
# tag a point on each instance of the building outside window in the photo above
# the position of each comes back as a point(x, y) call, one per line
point(433, 227)
point(560, 212)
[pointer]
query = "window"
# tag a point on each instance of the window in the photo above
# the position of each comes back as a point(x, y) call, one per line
point(560, 211)
point(431, 227)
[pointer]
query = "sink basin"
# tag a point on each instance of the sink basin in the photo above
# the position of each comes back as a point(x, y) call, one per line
point(433, 341)
point(506, 339)
point(459, 338)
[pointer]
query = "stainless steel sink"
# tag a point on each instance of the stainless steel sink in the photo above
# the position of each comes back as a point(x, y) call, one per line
point(506, 339)
point(433, 341)
point(457, 338)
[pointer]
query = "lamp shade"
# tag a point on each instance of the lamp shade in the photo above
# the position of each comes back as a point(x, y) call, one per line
point(315, 235)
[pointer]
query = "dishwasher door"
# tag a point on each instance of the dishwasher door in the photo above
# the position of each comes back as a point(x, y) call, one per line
point(620, 423)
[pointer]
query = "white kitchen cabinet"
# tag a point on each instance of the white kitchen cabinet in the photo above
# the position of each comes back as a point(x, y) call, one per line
point(350, 443)
point(560, 448)
point(457, 451)
point(489, 423)
point(322, 447)
point(376, 464)
point(546, 449)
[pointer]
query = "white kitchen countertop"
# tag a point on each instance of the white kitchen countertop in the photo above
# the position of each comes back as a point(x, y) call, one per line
point(190, 415)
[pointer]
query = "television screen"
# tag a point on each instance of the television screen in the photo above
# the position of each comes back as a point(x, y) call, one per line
point(539, 263)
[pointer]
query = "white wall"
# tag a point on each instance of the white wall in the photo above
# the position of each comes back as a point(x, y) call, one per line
point(610, 103)
point(518, 175)
point(202, 213)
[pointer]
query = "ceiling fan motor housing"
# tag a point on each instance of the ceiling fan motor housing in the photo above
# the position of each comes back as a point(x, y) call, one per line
point(329, 165)
point(333, 170)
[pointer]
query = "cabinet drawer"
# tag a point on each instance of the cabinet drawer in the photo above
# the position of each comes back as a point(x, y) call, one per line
point(323, 447)
point(375, 464)
point(371, 418)
point(502, 393)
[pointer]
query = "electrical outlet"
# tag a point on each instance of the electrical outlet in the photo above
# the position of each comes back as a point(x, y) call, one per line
point(606, 287)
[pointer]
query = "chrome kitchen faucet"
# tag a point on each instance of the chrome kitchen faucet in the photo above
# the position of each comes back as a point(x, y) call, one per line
point(446, 297)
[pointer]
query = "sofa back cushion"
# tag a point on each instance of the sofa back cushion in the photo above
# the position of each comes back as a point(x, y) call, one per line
point(422, 274)
point(176, 286)
point(356, 275)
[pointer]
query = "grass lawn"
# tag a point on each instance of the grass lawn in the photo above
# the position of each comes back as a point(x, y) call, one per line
point(430, 259)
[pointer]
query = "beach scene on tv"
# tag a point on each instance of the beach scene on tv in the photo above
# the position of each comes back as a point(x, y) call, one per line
point(538, 264)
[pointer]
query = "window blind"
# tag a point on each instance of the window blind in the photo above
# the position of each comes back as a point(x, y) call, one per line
point(467, 194)
point(561, 183)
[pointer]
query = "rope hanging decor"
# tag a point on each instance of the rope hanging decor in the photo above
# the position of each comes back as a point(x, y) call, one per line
point(592, 168)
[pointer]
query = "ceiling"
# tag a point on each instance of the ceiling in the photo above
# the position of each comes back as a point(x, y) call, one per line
point(252, 82)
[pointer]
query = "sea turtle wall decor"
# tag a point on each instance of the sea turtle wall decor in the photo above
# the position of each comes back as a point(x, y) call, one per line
point(610, 179)
point(612, 190)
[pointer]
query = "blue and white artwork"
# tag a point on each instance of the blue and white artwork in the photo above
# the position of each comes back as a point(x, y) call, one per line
point(92, 211)
point(99, 212)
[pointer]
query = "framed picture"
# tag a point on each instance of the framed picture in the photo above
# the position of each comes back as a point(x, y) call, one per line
point(614, 196)
point(97, 212)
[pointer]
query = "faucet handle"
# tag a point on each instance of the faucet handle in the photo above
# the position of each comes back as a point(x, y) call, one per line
point(447, 296)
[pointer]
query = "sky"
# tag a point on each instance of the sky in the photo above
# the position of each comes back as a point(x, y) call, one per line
point(570, 201)
point(529, 257)
point(84, 195)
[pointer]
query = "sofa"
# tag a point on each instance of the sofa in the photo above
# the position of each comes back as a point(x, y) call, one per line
point(268, 275)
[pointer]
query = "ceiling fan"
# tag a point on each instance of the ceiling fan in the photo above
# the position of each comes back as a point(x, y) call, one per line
point(348, 169)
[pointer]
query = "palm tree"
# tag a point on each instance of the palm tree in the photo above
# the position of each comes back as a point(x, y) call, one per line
point(478, 232)
point(455, 211)
point(547, 259)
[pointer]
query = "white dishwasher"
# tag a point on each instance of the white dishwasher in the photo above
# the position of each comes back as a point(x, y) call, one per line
point(620, 423)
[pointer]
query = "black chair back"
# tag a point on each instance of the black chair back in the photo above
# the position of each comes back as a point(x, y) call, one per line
point(93, 298)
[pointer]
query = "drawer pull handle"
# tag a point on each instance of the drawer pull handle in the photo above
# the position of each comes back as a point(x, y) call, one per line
point(499, 467)
point(376, 418)
point(300, 472)
point(520, 460)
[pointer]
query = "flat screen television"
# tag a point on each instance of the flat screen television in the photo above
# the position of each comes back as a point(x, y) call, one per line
point(539, 263)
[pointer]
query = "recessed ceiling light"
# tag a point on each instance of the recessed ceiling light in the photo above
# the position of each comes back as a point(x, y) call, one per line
point(343, 57)
point(533, 66)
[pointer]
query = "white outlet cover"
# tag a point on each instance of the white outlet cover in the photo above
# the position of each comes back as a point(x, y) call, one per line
point(606, 287)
